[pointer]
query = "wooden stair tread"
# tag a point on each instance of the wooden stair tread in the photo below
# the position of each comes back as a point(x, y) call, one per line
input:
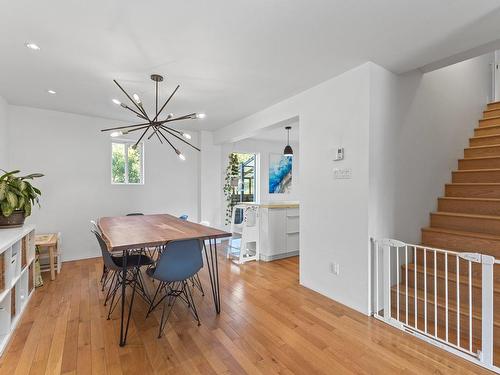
point(483, 146)
point(441, 303)
point(489, 126)
point(480, 157)
point(462, 233)
point(485, 136)
point(452, 276)
point(465, 215)
point(492, 200)
point(477, 170)
point(474, 183)
point(489, 118)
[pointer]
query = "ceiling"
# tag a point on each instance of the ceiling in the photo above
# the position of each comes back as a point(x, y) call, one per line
point(231, 57)
point(278, 134)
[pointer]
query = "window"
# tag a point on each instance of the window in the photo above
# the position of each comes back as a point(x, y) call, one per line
point(127, 163)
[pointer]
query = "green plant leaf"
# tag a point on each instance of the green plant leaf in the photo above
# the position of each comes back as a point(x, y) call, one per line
point(6, 209)
point(3, 190)
point(27, 209)
point(12, 199)
point(7, 174)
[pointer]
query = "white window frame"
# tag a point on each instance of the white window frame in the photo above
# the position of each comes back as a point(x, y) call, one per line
point(127, 143)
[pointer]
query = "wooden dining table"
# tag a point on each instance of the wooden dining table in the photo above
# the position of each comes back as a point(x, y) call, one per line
point(127, 233)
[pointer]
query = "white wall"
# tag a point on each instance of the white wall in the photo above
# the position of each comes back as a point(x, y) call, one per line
point(75, 158)
point(210, 183)
point(3, 135)
point(333, 213)
point(439, 111)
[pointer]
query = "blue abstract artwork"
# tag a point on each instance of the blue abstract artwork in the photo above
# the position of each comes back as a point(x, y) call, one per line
point(280, 174)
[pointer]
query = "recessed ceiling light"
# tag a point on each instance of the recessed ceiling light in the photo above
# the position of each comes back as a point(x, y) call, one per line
point(32, 46)
point(52, 92)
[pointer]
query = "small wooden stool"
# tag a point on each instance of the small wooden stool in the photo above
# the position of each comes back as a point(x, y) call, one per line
point(50, 242)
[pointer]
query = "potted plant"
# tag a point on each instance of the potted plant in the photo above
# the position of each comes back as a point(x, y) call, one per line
point(17, 195)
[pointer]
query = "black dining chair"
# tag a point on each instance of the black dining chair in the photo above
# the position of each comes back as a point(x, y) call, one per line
point(178, 263)
point(133, 276)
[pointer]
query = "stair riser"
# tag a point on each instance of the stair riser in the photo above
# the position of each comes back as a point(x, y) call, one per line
point(441, 288)
point(490, 140)
point(487, 131)
point(471, 191)
point(469, 207)
point(466, 164)
point(493, 113)
point(493, 106)
point(461, 243)
point(483, 151)
point(489, 121)
point(476, 176)
point(441, 311)
point(467, 224)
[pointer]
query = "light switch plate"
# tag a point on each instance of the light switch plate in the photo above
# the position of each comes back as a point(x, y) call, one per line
point(342, 173)
point(339, 154)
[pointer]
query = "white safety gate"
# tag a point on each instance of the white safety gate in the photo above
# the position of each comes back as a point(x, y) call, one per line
point(443, 297)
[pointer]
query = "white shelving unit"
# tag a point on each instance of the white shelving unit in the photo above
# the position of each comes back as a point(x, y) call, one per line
point(17, 277)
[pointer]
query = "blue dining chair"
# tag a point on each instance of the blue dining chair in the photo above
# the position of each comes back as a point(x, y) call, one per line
point(178, 263)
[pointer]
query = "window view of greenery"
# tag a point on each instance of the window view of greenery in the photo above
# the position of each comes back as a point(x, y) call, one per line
point(126, 163)
point(240, 181)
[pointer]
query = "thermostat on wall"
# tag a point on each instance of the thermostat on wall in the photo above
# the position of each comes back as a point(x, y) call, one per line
point(339, 154)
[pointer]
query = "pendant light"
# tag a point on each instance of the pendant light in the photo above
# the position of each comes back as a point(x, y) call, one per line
point(288, 150)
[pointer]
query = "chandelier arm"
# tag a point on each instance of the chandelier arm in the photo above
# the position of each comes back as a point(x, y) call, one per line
point(124, 127)
point(185, 117)
point(137, 113)
point(172, 129)
point(170, 143)
point(156, 101)
point(176, 136)
point(142, 127)
point(132, 100)
point(140, 138)
point(155, 130)
point(163, 106)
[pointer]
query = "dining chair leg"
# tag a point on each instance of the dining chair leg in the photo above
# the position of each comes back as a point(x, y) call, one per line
point(112, 287)
point(163, 320)
point(195, 280)
point(192, 305)
point(134, 281)
point(151, 308)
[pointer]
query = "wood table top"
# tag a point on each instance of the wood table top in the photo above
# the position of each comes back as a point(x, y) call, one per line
point(49, 239)
point(129, 232)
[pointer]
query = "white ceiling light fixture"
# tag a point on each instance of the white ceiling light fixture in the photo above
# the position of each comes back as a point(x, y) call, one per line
point(51, 92)
point(32, 46)
point(158, 128)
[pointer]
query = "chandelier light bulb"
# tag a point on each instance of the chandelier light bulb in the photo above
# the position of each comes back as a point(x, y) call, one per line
point(117, 102)
point(116, 134)
point(180, 155)
point(186, 135)
point(201, 115)
point(32, 46)
point(137, 99)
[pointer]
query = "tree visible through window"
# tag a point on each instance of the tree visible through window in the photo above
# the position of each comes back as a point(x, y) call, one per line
point(126, 163)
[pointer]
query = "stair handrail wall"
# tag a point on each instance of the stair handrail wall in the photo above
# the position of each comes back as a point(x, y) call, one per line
point(389, 255)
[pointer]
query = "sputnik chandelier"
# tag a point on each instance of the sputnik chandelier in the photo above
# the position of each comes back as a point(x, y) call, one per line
point(158, 128)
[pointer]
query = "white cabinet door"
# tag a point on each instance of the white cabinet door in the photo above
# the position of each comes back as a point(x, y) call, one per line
point(277, 230)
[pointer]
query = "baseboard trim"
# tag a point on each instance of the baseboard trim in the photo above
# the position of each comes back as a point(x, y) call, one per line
point(270, 258)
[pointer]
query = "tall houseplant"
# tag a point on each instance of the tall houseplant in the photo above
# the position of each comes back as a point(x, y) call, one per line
point(17, 195)
point(229, 184)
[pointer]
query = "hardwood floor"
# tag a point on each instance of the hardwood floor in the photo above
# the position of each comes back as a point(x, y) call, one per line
point(268, 325)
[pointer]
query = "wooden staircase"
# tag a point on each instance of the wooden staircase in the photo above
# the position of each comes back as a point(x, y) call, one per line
point(467, 220)
point(468, 216)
